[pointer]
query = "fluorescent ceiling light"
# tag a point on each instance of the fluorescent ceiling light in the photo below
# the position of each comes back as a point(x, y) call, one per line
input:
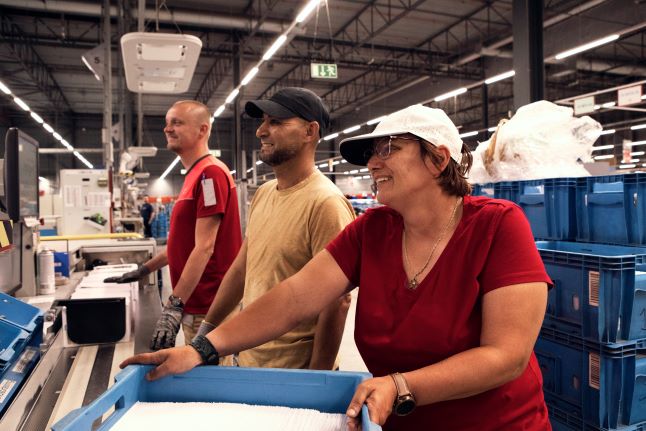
point(602, 147)
point(232, 96)
point(352, 129)
point(500, 77)
point(48, 128)
point(605, 156)
point(638, 127)
point(364, 170)
point(635, 143)
point(83, 159)
point(644, 97)
point(20, 103)
point(467, 134)
point(57, 136)
point(608, 132)
point(587, 46)
point(634, 160)
point(354, 171)
point(450, 94)
point(322, 165)
point(637, 153)
point(218, 111)
point(332, 136)
point(626, 166)
point(36, 117)
point(608, 104)
point(43, 179)
point(307, 10)
point(67, 145)
point(366, 177)
point(259, 162)
point(232, 172)
point(169, 168)
point(4, 88)
point(249, 76)
point(492, 129)
point(336, 162)
point(595, 107)
point(276, 45)
point(249, 170)
point(376, 120)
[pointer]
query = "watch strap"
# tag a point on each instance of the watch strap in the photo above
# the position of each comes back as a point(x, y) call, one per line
point(207, 351)
point(401, 385)
point(176, 301)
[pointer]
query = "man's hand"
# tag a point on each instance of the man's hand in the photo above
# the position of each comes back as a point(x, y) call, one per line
point(205, 328)
point(128, 277)
point(379, 395)
point(170, 361)
point(166, 328)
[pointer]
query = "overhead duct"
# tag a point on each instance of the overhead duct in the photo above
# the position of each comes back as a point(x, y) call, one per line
point(176, 17)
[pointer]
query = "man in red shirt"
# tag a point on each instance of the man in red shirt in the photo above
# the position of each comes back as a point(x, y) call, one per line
point(205, 233)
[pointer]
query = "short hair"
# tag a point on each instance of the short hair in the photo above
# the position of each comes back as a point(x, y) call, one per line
point(199, 109)
point(453, 179)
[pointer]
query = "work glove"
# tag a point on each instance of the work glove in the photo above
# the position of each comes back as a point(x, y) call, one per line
point(205, 328)
point(128, 277)
point(166, 328)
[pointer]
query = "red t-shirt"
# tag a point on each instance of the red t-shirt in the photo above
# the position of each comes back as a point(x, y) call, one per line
point(397, 329)
point(208, 190)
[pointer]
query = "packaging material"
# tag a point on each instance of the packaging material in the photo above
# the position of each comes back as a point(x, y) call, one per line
point(542, 140)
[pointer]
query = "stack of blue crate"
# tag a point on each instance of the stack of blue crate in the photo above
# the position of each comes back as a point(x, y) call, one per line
point(21, 333)
point(592, 347)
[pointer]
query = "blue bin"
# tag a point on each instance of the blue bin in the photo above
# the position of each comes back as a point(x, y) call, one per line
point(611, 209)
point(531, 198)
point(326, 391)
point(483, 190)
point(604, 386)
point(508, 190)
point(561, 208)
point(599, 290)
point(563, 421)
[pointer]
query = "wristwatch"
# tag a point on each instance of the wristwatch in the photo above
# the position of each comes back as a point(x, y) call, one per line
point(176, 301)
point(209, 354)
point(405, 401)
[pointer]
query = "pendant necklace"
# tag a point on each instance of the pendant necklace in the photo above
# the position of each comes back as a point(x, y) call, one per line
point(413, 283)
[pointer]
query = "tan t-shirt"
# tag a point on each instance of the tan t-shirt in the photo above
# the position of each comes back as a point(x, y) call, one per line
point(286, 229)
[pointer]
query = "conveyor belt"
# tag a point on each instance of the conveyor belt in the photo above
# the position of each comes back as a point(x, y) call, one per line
point(68, 378)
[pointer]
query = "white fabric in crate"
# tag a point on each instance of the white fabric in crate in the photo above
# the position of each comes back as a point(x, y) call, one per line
point(542, 140)
point(226, 416)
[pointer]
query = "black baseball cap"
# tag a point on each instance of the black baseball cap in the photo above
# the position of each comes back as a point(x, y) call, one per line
point(292, 102)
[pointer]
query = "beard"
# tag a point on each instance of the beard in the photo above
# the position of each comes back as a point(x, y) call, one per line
point(278, 156)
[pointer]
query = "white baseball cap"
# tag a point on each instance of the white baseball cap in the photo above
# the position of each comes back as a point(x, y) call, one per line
point(429, 124)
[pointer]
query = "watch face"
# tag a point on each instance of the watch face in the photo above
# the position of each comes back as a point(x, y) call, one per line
point(405, 406)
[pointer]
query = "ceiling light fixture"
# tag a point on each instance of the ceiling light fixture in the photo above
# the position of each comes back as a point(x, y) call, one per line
point(332, 136)
point(587, 46)
point(249, 76)
point(232, 95)
point(307, 10)
point(36, 117)
point(500, 77)
point(608, 132)
point(352, 129)
point(450, 94)
point(603, 147)
point(274, 47)
point(638, 127)
point(468, 134)
point(4, 88)
point(169, 168)
point(376, 120)
point(159, 62)
point(20, 103)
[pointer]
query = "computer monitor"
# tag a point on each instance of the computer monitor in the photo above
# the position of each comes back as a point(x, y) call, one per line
point(21, 175)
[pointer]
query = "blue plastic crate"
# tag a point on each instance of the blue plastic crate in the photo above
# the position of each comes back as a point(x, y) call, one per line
point(531, 198)
point(604, 386)
point(19, 313)
point(561, 204)
point(611, 209)
point(599, 290)
point(563, 421)
point(508, 190)
point(483, 190)
point(326, 391)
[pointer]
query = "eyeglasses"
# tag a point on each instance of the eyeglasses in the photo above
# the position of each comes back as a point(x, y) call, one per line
point(382, 147)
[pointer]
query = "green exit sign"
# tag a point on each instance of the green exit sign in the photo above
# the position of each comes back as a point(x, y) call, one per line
point(326, 71)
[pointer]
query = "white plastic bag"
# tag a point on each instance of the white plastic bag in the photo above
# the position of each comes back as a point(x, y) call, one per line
point(542, 140)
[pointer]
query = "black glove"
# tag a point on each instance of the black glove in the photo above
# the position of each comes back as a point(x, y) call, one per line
point(205, 328)
point(166, 328)
point(128, 277)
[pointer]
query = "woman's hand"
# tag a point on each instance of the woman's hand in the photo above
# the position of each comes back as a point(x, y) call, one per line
point(170, 361)
point(379, 395)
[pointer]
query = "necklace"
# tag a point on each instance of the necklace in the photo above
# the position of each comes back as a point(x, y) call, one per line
point(413, 283)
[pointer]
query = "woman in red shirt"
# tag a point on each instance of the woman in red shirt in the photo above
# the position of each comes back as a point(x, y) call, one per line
point(452, 291)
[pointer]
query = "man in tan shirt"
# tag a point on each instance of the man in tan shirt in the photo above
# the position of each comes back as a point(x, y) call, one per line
point(291, 219)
